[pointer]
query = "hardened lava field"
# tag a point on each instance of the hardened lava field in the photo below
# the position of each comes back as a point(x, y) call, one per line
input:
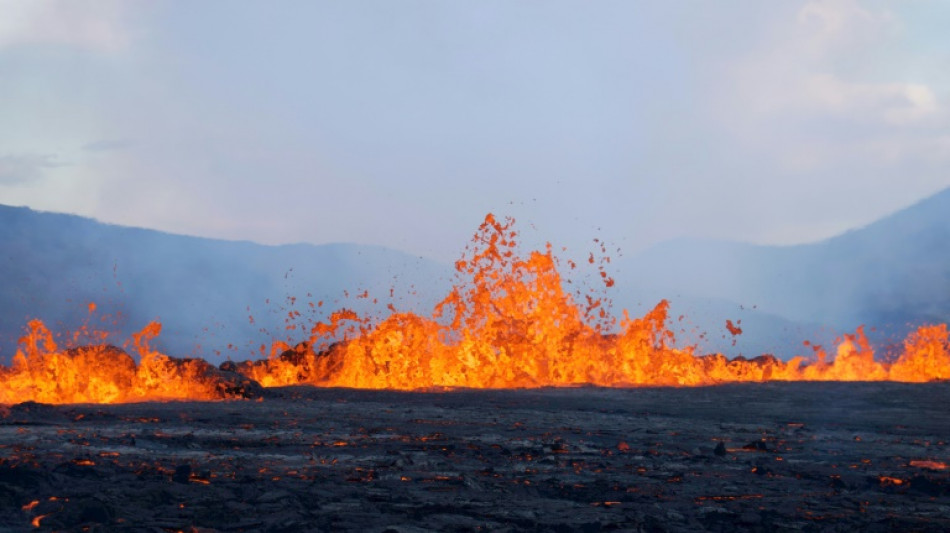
point(749, 457)
point(482, 416)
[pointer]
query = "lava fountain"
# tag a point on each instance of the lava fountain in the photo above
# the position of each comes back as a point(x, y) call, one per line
point(103, 373)
point(507, 323)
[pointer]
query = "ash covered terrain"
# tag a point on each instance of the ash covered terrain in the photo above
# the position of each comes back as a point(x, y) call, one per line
point(744, 457)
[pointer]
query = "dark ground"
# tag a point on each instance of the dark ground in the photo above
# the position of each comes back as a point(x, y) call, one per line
point(794, 457)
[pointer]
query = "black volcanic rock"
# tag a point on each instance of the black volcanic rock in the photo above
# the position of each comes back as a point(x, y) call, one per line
point(227, 384)
point(720, 449)
point(308, 366)
point(756, 446)
point(509, 460)
point(31, 412)
point(182, 473)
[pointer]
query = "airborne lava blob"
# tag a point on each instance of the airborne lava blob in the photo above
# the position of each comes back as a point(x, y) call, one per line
point(507, 323)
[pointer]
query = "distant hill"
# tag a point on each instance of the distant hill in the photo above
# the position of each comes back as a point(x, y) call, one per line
point(891, 274)
point(202, 290)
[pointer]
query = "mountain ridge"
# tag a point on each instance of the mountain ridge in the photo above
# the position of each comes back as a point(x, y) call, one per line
point(893, 273)
point(212, 293)
point(203, 290)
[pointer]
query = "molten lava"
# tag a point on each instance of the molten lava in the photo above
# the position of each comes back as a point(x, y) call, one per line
point(509, 323)
point(506, 323)
point(42, 372)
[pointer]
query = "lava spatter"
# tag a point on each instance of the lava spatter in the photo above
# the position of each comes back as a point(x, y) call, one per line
point(506, 323)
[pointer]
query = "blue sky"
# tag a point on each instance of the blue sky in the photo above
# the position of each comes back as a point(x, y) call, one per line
point(402, 123)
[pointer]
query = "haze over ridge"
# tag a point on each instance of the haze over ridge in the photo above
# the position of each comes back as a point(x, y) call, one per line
point(891, 274)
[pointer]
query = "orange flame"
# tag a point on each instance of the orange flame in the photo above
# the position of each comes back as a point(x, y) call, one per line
point(506, 323)
point(509, 323)
point(42, 372)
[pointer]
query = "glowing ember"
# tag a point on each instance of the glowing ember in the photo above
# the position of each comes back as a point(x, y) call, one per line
point(932, 465)
point(506, 323)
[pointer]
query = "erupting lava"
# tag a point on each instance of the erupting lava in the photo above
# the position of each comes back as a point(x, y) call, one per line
point(507, 323)
point(103, 373)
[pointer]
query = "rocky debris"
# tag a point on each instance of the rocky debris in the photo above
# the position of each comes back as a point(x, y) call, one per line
point(182, 473)
point(754, 457)
point(308, 365)
point(227, 384)
point(757, 446)
point(720, 450)
point(26, 413)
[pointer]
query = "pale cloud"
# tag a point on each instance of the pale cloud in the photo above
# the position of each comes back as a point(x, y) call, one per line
point(896, 104)
point(48, 182)
point(25, 168)
point(799, 77)
point(931, 151)
point(841, 24)
point(97, 25)
point(615, 112)
point(108, 145)
point(818, 103)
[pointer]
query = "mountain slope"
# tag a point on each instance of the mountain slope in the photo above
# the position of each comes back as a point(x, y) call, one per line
point(892, 273)
point(202, 290)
